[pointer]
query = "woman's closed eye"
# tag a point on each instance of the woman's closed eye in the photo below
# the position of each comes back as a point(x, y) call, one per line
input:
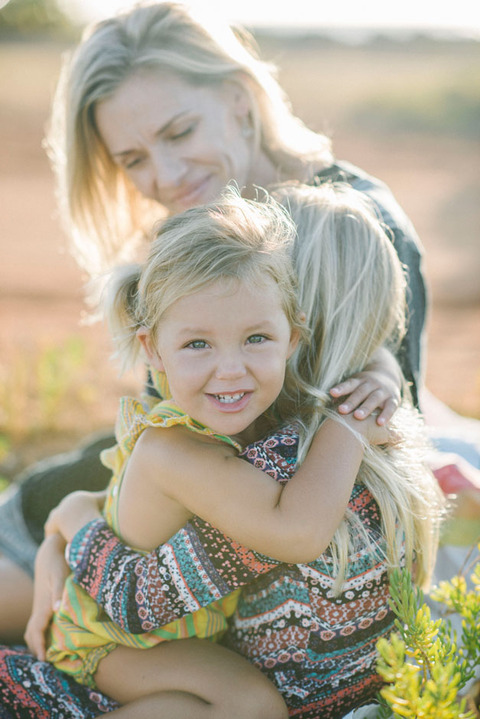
point(132, 162)
point(180, 134)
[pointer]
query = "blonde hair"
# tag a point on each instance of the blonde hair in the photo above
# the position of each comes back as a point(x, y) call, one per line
point(103, 212)
point(233, 239)
point(352, 290)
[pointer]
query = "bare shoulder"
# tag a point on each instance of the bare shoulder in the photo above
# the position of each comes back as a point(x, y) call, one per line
point(177, 446)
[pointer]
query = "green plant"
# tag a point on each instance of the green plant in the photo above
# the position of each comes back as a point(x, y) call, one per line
point(423, 664)
point(40, 386)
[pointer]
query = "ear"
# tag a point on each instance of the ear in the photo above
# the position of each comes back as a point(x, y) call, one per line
point(294, 339)
point(153, 358)
point(295, 335)
point(238, 98)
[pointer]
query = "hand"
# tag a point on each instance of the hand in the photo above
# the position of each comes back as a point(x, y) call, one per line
point(51, 571)
point(74, 512)
point(369, 428)
point(377, 388)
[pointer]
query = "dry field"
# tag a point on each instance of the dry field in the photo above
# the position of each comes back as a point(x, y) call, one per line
point(434, 172)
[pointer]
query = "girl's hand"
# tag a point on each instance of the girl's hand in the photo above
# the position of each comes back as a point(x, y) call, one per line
point(369, 428)
point(51, 571)
point(377, 388)
point(74, 512)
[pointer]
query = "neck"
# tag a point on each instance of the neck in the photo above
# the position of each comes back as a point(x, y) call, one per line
point(255, 431)
point(265, 174)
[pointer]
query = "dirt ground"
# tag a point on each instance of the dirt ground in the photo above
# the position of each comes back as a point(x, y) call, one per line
point(41, 299)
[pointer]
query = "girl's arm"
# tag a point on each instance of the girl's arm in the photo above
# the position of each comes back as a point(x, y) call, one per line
point(293, 525)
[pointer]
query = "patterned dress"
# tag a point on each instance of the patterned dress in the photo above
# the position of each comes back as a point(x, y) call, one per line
point(81, 635)
point(318, 648)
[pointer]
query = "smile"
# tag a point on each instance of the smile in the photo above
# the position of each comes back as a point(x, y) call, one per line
point(191, 193)
point(230, 401)
point(229, 398)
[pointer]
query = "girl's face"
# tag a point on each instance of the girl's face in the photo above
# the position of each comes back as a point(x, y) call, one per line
point(179, 143)
point(224, 351)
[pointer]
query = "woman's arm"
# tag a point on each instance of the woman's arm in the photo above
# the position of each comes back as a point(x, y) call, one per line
point(51, 570)
point(140, 592)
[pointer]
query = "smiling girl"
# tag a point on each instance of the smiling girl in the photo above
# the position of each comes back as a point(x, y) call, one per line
point(215, 311)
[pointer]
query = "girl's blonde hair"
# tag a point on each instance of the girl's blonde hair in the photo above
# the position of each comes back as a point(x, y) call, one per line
point(102, 210)
point(233, 239)
point(352, 290)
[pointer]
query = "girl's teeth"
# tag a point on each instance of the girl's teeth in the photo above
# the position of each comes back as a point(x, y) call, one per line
point(229, 398)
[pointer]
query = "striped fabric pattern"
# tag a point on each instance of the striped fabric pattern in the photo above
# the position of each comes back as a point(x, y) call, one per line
point(81, 634)
point(317, 647)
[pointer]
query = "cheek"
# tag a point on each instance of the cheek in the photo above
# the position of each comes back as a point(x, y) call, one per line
point(272, 369)
point(139, 180)
point(185, 374)
point(232, 150)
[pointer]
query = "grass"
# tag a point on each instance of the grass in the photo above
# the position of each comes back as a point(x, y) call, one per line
point(39, 388)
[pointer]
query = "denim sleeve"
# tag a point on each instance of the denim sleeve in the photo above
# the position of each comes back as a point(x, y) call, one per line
point(410, 252)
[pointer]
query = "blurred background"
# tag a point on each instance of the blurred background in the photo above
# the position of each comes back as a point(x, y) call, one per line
point(400, 97)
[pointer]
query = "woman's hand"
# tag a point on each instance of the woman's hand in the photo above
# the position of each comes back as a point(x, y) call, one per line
point(73, 513)
point(376, 388)
point(51, 571)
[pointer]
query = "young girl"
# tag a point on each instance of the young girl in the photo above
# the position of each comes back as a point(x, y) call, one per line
point(215, 311)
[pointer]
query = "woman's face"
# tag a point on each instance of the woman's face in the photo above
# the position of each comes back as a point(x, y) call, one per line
point(179, 144)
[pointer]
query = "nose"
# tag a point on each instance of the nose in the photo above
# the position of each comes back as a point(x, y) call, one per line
point(168, 170)
point(230, 365)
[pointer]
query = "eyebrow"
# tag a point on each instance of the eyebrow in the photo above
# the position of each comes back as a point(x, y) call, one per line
point(268, 326)
point(157, 133)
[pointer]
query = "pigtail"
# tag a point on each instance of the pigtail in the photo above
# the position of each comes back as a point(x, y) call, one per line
point(123, 314)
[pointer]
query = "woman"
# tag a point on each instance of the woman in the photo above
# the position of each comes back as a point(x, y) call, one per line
point(157, 112)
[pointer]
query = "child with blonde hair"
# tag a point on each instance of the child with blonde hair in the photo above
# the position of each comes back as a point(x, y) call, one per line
point(215, 311)
point(326, 604)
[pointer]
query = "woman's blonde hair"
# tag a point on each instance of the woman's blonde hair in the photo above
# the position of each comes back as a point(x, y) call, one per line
point(103, 212)
point(232, 239)
point(352, 291)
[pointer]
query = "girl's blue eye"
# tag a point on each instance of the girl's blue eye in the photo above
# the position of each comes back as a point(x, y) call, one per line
point(197, 345)
point(256, 339)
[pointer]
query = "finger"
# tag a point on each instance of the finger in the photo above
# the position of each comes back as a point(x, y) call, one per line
point(388, 410)
point(345, 388)
point(357, 399)
point(374, 401)
point(35, 637)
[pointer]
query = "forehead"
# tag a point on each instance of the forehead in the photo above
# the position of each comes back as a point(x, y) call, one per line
point(235, 299)
point(147, 100)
